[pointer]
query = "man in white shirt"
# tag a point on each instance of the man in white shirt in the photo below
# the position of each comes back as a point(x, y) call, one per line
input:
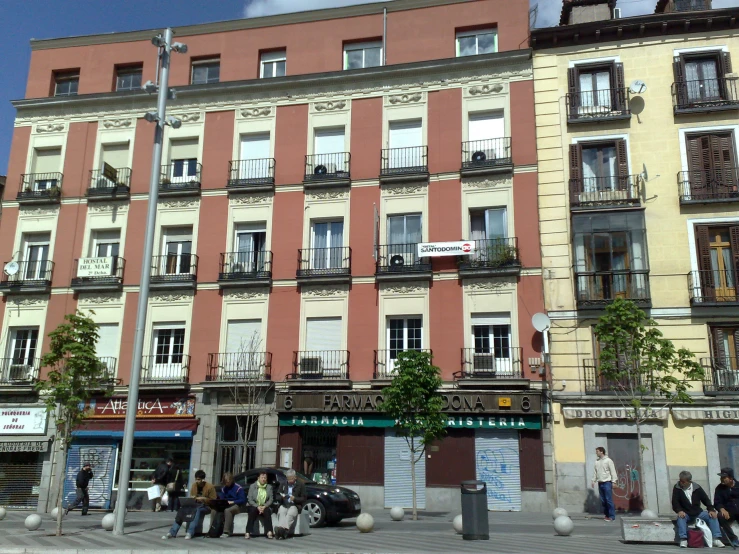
point(605, 475)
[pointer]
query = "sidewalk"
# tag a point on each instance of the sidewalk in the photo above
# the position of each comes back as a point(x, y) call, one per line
point(510, 533)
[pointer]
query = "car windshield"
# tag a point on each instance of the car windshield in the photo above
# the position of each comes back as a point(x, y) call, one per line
point(304, 478)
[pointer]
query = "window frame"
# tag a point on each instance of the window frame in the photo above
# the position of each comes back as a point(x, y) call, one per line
point(128, 71)
point(476, 33)
point(205, 62)
point(265, 58)
point(363, 46)
point(66, 77)
point(26, 348)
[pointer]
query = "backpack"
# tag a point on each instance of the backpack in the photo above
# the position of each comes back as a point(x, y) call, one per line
point(216, 525)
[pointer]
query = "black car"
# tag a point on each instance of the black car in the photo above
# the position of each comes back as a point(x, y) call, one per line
point(326, 504)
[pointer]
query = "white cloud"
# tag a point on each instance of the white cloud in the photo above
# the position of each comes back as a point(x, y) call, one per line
point(259, 8)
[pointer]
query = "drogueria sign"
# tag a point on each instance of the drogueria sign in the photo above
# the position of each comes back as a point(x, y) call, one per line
point(461, 248)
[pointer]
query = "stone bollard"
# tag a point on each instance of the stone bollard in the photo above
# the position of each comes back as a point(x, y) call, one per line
point(559, 512)
point(54, 512)
point(3, 513)
point(457, 524)
point(33, 522)
point(648, 514)
point(365, 523)
point(397, 513)
point(563, 526)
point(108, 522)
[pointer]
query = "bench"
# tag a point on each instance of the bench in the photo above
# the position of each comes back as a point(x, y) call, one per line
point(302, 524)
point(659, 530)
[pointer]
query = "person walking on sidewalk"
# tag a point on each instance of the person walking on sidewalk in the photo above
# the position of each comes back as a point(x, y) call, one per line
point(687, 498)
point(160, 478)
point(292, 496)
point(201, 491)
point(82, 482)
point(175, 484)
point(605, 475)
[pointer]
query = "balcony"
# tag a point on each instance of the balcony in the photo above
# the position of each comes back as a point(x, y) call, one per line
point(400, 262)
point(177, 180)
point(174, 271)
point(483, 365)
point(320, 368)
point(251, 175)
point(109, 184)
point(99, 274)
point(598, 105)
point(596, 289)
point(721, 375)
point(491, 257)
point(404, 164)
point(239, 367)
point(244, 269)
point(385, 363)
point(16, 372)
point(713, 288)
point(27, 277)
point(109, 370)
point(594, 193)
point(705, 95)
point(324, 265)
point(486, 157)
point(40, 188)
point(165, 369)
point(708, 186)
point(596, 383)
point(327, 170)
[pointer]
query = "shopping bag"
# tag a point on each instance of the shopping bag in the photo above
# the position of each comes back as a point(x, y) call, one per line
point(154, 492)
point(707, 535)
point(695, 538)
point(165, 499)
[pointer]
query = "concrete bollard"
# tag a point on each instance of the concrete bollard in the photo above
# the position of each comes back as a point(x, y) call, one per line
point(108, 522)
point(397, 513)
point(3, 513)
point(33, 522)
point(563, 525)
point(457, 524)
point(365, 523)
point(559, 512)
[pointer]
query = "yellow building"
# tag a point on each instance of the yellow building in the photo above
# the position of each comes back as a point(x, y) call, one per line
point(637, 134)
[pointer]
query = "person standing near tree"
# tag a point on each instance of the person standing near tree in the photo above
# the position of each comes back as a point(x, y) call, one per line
point(605, 475)
point(82, 482)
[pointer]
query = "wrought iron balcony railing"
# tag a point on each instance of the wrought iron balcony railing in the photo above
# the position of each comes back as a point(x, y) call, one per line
point(501, 253)
point(323, 262)
point(251, 173)
point(239, 367)
point(177, 177)
point(385, 362)
point(399, 259)
point(40, 187)
point(16, 371)
point(598, 105)
point(165, 368)
point(703, 95)
point(596, 382)
point(594, 289)
point(599, 192)
point(105, 184)
point(491, 363)
point(320, 364)
point(174, 268)
point(713, 287)
point(327, 167)
point(411, 160)
point(109, 365)
point(243, 266)
point(708, 185)
point(487, 154)
point(721, 375)
point(29, 273)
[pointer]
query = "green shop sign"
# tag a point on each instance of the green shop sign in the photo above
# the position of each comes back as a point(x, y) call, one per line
point(378, 420)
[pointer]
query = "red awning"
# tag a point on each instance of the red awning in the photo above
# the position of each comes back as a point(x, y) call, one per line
point(113, 425)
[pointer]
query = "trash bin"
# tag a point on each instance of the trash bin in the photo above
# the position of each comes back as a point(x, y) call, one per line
point(475, 511)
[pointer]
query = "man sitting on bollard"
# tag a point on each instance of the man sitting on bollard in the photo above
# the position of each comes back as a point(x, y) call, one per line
point(687, 498)
point(201, 491)
point(291, 497)
point(726, 500)
point(234, 494)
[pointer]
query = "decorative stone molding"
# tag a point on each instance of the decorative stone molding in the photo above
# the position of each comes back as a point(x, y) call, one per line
point(405, 189)
point(245, 294)
point(486, 89)
point(28, 300)
point(263, 111)
point(100, 298)
point(323, 291)
point(251, 199)
point(408, 98)
point(330, 106)
point(117, 123)
point(188, 117)
point(327, 195)
point(403, 289)
point(170, 297)
point(179, 204)
point(489, 284)
point(49, 127)
point(33, 211)
point(106, 206)
point(488, 183)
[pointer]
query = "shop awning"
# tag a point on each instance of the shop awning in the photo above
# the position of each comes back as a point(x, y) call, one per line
point(145, 429)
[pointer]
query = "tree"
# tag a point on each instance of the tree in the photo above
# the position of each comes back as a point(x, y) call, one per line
point(75, 374)
point(414, 402)
point(643, 369)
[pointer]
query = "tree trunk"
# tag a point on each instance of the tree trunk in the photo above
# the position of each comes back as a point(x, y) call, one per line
point(62, 477)
point(642, 472)
point(414, 517)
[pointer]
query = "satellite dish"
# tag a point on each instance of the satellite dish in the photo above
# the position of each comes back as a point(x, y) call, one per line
point(320, 170)
point(638, 87)
point(11, 268)
point(541, 322)
point(644, 173)
point(479, 156)
point(397, 261)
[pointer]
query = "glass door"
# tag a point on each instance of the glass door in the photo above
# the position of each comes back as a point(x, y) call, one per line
point(327, 245)
point(702, 79)
point(402, 334)
point(403, 236)
point(724, 276)
point(492, 347)
point(169, 347)
point(37, 256)
point(23, 349)
point(250, 250)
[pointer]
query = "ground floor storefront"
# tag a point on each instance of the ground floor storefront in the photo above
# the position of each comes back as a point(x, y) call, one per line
point(340, 437)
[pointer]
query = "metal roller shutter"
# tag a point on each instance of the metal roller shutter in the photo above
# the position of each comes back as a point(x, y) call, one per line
point(398, 490)
point(19, 481)
point(497, 462)
point(102, 458)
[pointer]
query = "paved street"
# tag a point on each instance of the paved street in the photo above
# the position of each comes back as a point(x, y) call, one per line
point(510, 533)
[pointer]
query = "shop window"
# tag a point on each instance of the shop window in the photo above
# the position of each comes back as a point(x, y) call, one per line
point(146, 456)
point(318, 456)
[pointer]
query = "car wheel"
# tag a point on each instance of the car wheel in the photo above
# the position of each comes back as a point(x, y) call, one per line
point(316, 512)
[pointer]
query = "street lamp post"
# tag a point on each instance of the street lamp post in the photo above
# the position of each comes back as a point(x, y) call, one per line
point(165, 45)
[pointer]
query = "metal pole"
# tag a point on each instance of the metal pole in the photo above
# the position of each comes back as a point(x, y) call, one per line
point(138, 345)
point(384, 36)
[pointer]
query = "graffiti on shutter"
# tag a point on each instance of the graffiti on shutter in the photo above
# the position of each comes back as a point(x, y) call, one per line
point(497, 463)
point(102, 459)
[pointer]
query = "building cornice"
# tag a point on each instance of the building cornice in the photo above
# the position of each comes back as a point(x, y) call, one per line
point(243, 24)
point(511, 65)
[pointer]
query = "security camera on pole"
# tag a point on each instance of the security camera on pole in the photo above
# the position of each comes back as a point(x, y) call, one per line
point(166, 46)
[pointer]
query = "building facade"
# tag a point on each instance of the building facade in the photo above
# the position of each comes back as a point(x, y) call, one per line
point(637, 140)
point(324, 205)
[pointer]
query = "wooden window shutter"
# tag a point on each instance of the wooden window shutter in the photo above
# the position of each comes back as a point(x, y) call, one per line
point(576, 163)
point(734, 239)
point(622, 159)
point(678, 68)
point(619, 92)
point(717, 343)
point(573, 85)
point(725, 63)
point(681, 88)
point(704, 260)
point(695, 155)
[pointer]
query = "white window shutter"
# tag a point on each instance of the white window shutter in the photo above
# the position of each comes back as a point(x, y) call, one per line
point(323, 333)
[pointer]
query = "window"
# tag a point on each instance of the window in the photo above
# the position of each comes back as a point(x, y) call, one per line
point(599, 172)
point(128, 78)
point(404, 140)
point(66, 84)
point(106, 244)
point(404, 229)
point(184, 161)
point(712, 168)
point(45, 170)
point(115, 155)
point(329, 141)
point(725, 346)
point(701, 77)
point(327, 242)
point(169, 348)
point(323, 340)
point(23, 346)
point(362, 54)
point(718, 261)
point(728, 451)
point(488, 224)
point(273, 64)
point(255, 156)
point(471, 43)
point(491, 336)
point(244, 336)
point(403, 334)
point(206, 71)
point(596, 88)
point(176, 251)
point(36, 257)
point(106, 347)
point(250, 243)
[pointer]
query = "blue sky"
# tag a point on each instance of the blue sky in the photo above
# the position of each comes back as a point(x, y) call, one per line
point(21, 20)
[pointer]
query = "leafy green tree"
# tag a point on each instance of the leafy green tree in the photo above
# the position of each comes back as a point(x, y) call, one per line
point(642, 368)
point(414, 402)
point(75, 374)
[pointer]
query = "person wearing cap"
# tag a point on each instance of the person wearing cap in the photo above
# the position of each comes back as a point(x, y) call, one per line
point(726, 501)
point(82, 482)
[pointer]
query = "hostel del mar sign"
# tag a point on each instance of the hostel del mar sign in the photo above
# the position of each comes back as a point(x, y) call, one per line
point(463, 410)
